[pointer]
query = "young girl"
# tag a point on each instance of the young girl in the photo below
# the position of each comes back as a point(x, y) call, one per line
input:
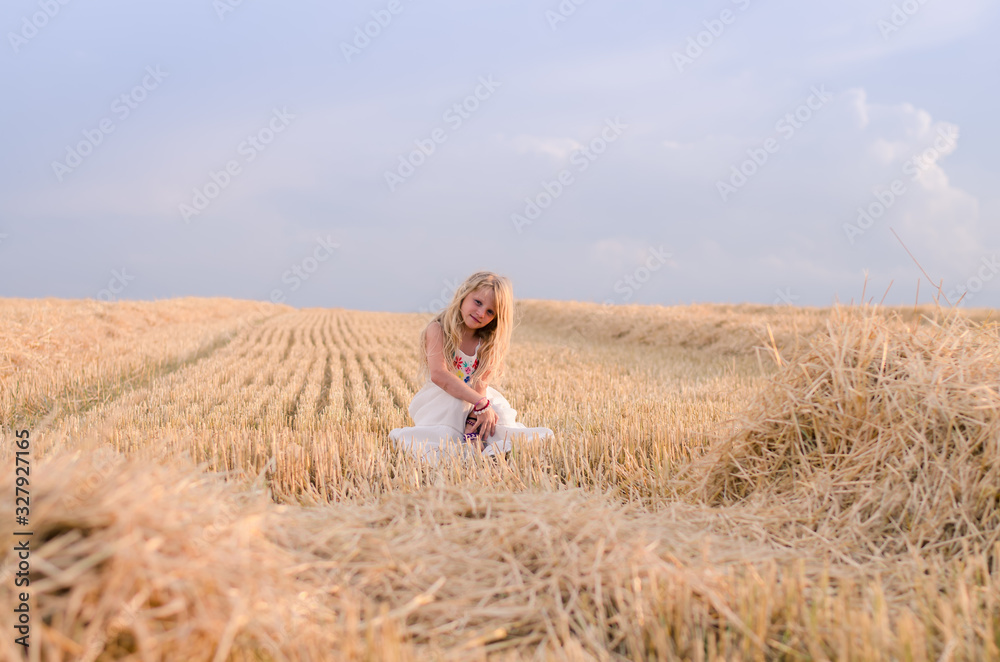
point(464, 348)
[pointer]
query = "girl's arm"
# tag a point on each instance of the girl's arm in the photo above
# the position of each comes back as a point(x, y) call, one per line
point(480, 383)
point(440, 372)
point(486, 422)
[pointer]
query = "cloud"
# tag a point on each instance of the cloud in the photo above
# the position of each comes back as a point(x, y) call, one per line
point(784, 227)
point(905, 147)
point(847, 156)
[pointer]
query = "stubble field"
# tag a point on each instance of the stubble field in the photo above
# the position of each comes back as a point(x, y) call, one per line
point(213, 480)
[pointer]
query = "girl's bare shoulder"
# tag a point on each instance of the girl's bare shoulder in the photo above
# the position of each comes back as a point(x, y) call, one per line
point(434, 333)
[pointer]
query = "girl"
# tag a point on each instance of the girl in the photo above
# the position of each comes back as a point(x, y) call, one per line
point(464, 348)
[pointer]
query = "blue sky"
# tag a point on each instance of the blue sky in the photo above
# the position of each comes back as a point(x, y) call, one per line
point(640, 152)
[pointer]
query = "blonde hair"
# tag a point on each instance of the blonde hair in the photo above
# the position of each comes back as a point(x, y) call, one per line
point(494, 337)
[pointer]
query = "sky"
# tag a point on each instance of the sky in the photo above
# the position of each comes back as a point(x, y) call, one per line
point(372, 155)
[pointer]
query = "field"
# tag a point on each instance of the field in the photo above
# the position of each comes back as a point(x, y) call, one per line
point(213, 480)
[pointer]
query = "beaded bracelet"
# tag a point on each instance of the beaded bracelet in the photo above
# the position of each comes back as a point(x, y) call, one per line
point(481, 409)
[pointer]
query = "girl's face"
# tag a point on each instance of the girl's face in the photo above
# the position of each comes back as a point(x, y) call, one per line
point(478, 308)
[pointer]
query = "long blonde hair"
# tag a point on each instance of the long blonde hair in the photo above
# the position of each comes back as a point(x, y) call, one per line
point(494, 338)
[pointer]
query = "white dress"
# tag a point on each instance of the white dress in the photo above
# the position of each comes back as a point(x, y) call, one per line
point(439, 419)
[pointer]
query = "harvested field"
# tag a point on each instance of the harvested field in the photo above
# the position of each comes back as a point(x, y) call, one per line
point(212, 480)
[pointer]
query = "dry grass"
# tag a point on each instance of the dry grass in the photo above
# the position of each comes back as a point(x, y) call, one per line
point(141, 559)
point(879, 434)
point(245, 503)
point(73, 354)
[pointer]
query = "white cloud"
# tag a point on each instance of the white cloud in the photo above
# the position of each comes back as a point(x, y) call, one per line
point(784, 228)
point(847, 156)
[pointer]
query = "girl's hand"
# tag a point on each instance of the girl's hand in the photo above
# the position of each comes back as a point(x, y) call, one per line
point(486, 423)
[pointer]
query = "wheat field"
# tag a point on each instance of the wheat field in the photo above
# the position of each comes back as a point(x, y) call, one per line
point(212, 480)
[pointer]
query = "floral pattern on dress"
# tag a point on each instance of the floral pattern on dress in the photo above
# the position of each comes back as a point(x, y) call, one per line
point(464, 369)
